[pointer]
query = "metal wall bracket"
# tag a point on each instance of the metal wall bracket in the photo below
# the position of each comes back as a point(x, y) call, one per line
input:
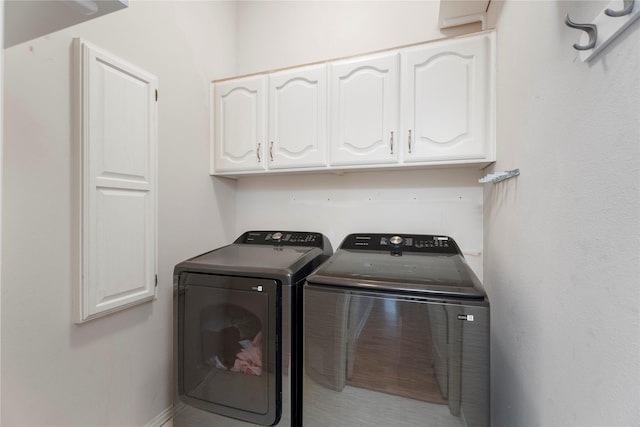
point(499, 176)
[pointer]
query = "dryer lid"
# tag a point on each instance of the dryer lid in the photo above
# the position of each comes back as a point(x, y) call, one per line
point(281, 253)
point(256, 257)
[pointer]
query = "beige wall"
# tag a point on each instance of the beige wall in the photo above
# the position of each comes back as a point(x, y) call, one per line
point(278, 34)
point(561, 240)
point(113, 371)
point(1, 174)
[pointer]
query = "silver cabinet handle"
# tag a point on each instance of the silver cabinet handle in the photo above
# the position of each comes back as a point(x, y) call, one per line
point(409, 140)
point(391, 142)
point(271, 151)
point(258, 153)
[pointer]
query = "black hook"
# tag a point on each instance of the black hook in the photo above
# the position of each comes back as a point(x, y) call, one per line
point(628, 7)
point(590, 29)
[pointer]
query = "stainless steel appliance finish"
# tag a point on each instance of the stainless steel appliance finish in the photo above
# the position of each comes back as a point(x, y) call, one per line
point(396, 331)
point(237, 330)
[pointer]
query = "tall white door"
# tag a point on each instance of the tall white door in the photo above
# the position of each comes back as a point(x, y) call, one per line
point(118, 143)
point(297, 118)
point(364, 110)
point(239, 111)
point(447, 101)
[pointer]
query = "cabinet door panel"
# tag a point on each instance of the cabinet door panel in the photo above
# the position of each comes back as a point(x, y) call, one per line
point(364, 110)
point(298, 118)
point(447, 103)
point(239, 122)
point(118, 141)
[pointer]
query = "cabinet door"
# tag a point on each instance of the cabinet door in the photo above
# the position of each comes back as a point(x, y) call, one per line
point(297, 118)
point(447, 100)
point(117, 130)
point(239, 124)
point(364, 110)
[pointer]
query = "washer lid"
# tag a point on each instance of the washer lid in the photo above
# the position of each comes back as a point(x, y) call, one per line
point(243, 257)
point(438, 274)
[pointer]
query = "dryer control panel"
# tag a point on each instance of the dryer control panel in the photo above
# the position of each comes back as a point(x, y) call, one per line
point(283, 238)
point(420, 243)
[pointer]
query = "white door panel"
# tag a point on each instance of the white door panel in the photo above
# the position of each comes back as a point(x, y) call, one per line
point(298, 117)
point(118, 139)
point(447, 98)
point(239, 124)
point(364, 110)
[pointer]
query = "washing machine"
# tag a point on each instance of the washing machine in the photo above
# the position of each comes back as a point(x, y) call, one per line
point(238, 330)
point(396, 332)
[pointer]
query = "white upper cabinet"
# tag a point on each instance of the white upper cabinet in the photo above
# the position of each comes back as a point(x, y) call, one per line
point(448, 102)
point(239, 124)
point(364, 109)
point(419, 105)
point(297, 118)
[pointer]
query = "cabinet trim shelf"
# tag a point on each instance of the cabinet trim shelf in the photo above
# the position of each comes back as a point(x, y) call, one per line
point(342, 170)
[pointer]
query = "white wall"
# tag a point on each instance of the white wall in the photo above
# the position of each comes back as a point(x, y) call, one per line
point(428, 202)
point(562, 240)
point(113, 371)
point(277, 34)
point(1, 173)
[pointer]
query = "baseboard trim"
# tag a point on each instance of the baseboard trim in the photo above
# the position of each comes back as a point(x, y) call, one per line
point(160, 419)
point(178, 407)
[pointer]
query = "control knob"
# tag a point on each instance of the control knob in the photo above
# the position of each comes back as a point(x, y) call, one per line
point(277, 236)
point(396, 241)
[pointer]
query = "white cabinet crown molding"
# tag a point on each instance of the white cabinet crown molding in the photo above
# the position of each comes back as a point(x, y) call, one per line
point(461, 12)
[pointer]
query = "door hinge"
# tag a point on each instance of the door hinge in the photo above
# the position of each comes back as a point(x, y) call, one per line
point(156, 280)
point(156, 95)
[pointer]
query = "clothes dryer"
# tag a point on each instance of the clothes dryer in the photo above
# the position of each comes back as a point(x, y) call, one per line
point(238, 336)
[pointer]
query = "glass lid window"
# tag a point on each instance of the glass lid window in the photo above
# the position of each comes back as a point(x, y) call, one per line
point(440, 269)
point(229, 346)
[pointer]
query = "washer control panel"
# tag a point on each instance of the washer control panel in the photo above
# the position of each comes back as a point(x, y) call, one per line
point(285, 238)
point(426, 243)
